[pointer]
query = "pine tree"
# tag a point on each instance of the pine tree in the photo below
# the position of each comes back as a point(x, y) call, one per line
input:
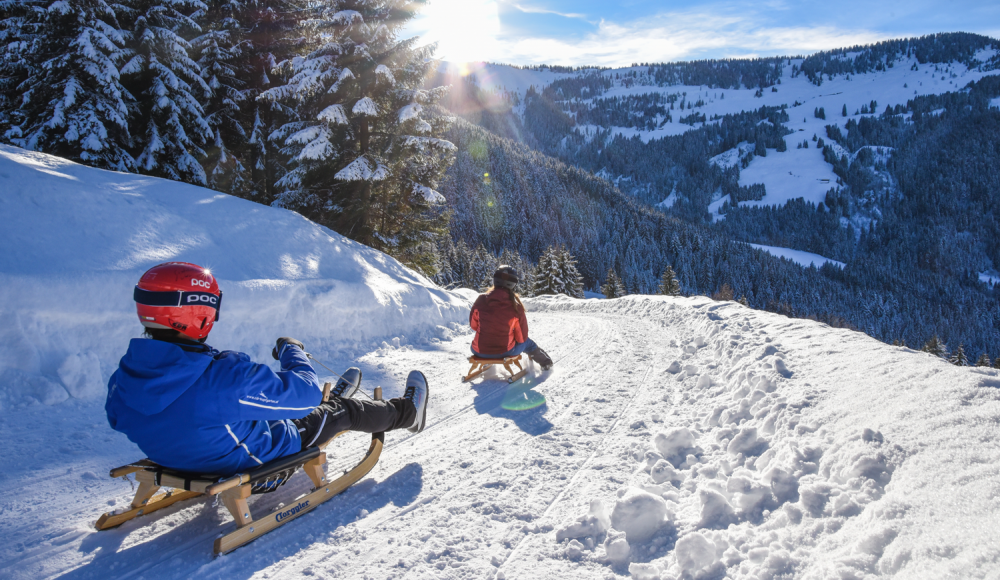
point(20, 25)
point(570, 274)
point(843, 112)
point(168, 122)
point(983, 360)
point(367, 152)
point(71, 103)
point(546, 274)
point(219, 54)
point(935, 347)
point(996, 363)
point(557, 274)
point(272, 30)
point(613, 286)
point(958, 358)
point(668, 283)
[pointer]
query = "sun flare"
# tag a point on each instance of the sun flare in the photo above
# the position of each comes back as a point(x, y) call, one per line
point(464, 30)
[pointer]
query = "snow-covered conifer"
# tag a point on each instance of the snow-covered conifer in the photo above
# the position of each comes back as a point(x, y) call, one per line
point(668, 283)
point(935, 347)
point(613, 286)
point(547, 279)
point(366, 154)
point(20, 23)
point(570, 273)
point(958, 357)
point(556, 273)
point(168, 121)
point(220, 55)
point(273, 36)
point(70, 100)
point(983, 360)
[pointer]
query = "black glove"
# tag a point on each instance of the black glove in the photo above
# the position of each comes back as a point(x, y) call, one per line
point(281, 342)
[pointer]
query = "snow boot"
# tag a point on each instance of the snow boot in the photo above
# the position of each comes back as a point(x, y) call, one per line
point(541, 358)
point(348, 384)
point(416, 392)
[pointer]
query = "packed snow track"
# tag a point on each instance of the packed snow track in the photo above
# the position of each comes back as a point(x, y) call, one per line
point(680, 438)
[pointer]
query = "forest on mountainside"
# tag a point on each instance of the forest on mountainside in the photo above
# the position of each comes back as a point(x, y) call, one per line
point(516, 202)
point(912, 271)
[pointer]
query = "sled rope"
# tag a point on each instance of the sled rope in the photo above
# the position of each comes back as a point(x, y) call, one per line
point(320, 363)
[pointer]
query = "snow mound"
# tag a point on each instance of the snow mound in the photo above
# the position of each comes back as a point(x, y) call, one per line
point(77, 239)
point(640, 515)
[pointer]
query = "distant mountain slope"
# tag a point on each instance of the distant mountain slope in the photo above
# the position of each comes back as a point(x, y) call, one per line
point(508, 196)
point(881, 157)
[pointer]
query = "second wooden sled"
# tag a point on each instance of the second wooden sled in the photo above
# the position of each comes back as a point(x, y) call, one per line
point(234, 490)
point(479, 366)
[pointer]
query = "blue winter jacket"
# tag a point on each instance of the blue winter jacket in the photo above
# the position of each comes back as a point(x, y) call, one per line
point(193, 408)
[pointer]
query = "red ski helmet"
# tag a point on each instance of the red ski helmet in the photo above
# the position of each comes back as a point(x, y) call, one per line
point(178, 296)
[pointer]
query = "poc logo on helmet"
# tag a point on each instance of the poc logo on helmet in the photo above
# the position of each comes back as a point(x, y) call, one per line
point(202, 283)
point(202, 297)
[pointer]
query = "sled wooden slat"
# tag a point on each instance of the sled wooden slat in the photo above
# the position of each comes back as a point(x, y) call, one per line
point(131, 468)
point(227, 484)
point(234, 491)
point(479, 366)
point(518, 376)
point(112, 519)
point(257, 528)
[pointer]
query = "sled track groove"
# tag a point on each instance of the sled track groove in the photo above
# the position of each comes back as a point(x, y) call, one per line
point(579, 470)
point(578, 353)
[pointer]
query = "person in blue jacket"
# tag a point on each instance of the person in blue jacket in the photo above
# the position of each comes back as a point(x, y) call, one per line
point(193, 408)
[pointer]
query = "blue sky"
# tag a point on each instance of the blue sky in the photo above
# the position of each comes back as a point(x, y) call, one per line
point(620, 33)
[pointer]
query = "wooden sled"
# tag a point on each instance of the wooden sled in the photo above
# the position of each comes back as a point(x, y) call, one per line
point(234, 490)
point(479, 366)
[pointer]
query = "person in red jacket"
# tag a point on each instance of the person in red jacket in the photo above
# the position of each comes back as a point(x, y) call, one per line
point(500, 323)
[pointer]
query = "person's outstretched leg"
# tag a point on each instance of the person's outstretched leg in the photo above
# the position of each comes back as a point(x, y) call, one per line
point(336, 415)
point(538, 355)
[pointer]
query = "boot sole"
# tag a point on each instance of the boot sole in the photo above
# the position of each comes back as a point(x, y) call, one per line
point(423, 415)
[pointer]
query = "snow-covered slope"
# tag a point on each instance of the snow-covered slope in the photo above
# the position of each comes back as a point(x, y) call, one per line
point(797, 172)
point(679, 437)
point(75, 241)
point(798, 256)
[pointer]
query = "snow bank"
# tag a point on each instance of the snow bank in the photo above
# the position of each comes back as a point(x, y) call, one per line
point(76, 240)
point(811, 453)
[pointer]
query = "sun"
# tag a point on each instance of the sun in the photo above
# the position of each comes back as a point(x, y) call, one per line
point(464, 30)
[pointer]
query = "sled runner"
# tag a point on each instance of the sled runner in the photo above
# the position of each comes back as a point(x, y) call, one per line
point(234, 490)
point(479, 366)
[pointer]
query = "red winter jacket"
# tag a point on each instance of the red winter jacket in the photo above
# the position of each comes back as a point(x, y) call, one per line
point(498, 325)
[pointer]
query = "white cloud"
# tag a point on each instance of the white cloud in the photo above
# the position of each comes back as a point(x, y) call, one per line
point(534, 10)
point(469, 30)
point(678, 36)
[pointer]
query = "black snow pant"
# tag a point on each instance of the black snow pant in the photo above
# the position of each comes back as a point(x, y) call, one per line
point(338, 415)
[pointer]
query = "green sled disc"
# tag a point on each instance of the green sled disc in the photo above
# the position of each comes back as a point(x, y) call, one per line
point(520, 397)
